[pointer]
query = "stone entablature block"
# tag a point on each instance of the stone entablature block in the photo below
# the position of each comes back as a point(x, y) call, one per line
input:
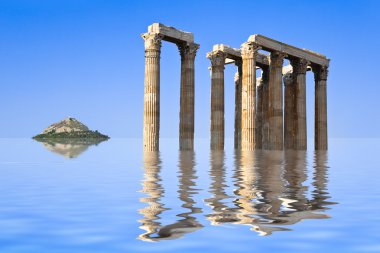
point(277, 46)
point(171, 34)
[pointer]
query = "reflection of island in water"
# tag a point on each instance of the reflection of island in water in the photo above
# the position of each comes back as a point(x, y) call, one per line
point(270, 192)
point(70, 148)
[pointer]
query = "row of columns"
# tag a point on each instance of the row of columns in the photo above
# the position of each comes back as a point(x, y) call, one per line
point(262, 119)
point(152, 93)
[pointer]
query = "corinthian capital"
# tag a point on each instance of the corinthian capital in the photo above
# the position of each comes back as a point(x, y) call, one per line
point(152, 41)
point(320, 72)
point(249, 49)
point(299, 65)
point(188, 50)
point(277, 59)
point(217, 58)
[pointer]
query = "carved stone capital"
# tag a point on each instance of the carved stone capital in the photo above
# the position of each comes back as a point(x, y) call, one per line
point(299, 65)
point(288, 79)
point(188, 50)
point(152, 41)
point(320, 72)
point(217, 59)
point(249, 50)
point(277, 59)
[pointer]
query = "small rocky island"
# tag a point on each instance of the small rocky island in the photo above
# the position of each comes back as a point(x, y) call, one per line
point(69, 129)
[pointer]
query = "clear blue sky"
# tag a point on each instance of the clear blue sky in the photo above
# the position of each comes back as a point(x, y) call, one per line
point(85, 59)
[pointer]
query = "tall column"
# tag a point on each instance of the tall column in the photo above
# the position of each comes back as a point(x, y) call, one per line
point(289, 104)
point(265, 124)
point(299, 77)
point(217, 99)
point(248, 112)
point(275, 111)
point(238, 89)
point(320, 77)
point(186, 114)
point(259, 114)
point(152, 91)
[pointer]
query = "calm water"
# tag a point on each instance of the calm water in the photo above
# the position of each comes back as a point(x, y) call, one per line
point(111, 197)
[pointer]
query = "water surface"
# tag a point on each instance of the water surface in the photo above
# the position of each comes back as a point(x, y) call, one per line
point(112, 197)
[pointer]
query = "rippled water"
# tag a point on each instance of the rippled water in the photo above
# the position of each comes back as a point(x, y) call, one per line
point(112, 197)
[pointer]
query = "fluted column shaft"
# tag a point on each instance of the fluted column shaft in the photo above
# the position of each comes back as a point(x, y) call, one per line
point(289, 104)
point(275, 111)
point(259, 114)
point(320, 76)
point(186, 114)
point(238, 89)
point(152, 91)
point(299, 79)
point(265, 124)
point(217, 99)
point(248, 113)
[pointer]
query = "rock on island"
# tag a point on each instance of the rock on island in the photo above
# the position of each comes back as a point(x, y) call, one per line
point(69, 128)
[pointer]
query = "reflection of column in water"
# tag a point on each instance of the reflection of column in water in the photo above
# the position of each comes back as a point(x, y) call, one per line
point(187, 185)
point(188, 222)
point(153, 188)
point(297, 206)
point(270, 183)
point(295, 175)
point(271, 192)
point(246, 191)
point(221, 212)
point(270, 187)
point(259, 190)
point(320, 180)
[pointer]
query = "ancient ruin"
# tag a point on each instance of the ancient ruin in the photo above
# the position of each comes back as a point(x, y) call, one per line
point(265, 116)
point(260, 120)
point(187, 48)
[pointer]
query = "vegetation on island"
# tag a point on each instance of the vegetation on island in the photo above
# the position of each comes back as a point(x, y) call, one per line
point(77, 135)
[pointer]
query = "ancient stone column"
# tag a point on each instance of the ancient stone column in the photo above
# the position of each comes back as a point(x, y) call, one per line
point(152, 91)
point(217, 99)
point(289, 104)
point(238, 89)
point(265, 115)
point(320, 77)
point(259, 114)
point(186, 114)
point(248, 112)
point(299, 79)
point(275, 110)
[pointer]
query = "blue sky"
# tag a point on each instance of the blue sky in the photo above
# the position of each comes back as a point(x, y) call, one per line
point(85, 59)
